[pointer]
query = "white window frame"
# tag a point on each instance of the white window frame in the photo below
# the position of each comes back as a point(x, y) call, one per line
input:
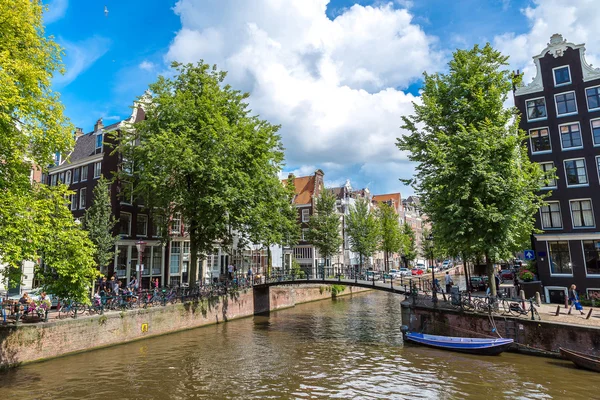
point(598, 166)
point(571, 214)
point(304, 230)
point(97, 169)
point(307, 215)
point(556, 104)
point(53, 179)
point(547, 289)
point(587, 103)
point(531, 141)
point(527, 109)
point(586, 173)
point(560, 136)
point(587, 291)
point(562, 222)
point(554, 76)
point(555, 179)
point(68, 177)
point(129, 227)
point(74, 200)
point(101, 135)
point(550, 259)
point(585, 266)
point(86, 169)
point(592, 131)
point(76, 180)
point(176, 216)
point(82, 196)
point(142, 216)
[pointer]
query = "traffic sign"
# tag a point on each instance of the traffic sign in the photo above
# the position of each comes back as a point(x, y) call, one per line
point(529, 255)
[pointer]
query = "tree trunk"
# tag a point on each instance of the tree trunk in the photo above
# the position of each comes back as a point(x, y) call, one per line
point(490, 274)
point(193, 268)
point(466, 268)
point(360, 264)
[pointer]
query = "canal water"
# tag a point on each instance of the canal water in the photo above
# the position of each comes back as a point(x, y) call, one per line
point(350, 348)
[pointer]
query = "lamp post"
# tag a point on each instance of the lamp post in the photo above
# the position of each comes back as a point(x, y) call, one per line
point(434, 286)
point(140, 245)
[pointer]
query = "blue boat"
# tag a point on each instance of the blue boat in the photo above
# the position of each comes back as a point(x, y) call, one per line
point(486, 347)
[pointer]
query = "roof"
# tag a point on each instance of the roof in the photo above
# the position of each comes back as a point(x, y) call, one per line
point(305, 189)
point(85, 146)
point(395, 198)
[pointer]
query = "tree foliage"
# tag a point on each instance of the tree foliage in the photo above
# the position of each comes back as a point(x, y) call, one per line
point(201, 153)
point(34, 219)
point(99, 221)
point(324, 226)
point(409, 244)
point(362, 229)
point(475, 180)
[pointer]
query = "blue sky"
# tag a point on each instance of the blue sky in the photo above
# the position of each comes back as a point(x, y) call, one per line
point(337, 75)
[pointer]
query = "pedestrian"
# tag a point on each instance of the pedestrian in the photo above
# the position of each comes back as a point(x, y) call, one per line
point(102, 286)
point(156, 284)
point(114, 286)
point(574, 298)
point(448, 280)
point(250, 274)
point(230, 272)
point(133, 284)
point(2, 310)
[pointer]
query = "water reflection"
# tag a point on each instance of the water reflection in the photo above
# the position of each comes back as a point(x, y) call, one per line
point(349, 348)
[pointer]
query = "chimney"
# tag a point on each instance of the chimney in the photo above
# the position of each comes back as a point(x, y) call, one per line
point(78, 132)
point(291, 176)
point(99, 125)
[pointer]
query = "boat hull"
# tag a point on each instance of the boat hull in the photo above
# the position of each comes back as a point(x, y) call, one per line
point(484, 347)
point(584, 361)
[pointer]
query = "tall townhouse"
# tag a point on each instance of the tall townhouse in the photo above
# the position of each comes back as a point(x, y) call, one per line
point(395, 201)
point(91, 158)
point(416, 219)
point(560, 111)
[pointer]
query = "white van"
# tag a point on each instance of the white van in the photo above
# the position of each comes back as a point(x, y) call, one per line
point(421, 264)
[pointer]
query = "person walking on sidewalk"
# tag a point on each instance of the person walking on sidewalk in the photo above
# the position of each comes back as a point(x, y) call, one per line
point(448, 280)
point(574, 298)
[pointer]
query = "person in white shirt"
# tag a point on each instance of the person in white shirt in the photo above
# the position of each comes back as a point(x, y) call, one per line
point(448, 281)
point(230, 271)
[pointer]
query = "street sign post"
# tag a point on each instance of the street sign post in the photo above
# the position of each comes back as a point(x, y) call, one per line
point(529, 255)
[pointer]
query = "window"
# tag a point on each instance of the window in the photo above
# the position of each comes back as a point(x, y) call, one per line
point(74, 201)
point(593, 97)
point(598, 164)
point(302, 252)
point(82, 198)
point(156, 260)
point(570, 136)
point(582, 214)
point(84, 173)
point(142, 225)
point(61, 177)
point(125, 224)
point(591, 254)
point(565, 103)
point(596, 131)
point(548, 168)
point(158, 222)
point(68, 178)
point(536, 109)
point(540, 140)
point(575, 172)
point(97, 169)
point(126, 194)
point(186, 247)
point(562, 75)
point(551, 217)
point(560, 258)
point(76, 175)
point(53, 180)
point(175, 257)
point(305, 214)
point(99, 138)
point(176, 224)
point(304, 231)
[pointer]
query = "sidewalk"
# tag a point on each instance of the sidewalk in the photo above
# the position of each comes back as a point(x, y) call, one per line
point(548, 313)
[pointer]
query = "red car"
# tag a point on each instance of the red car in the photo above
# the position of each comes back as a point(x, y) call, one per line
point(416, 271)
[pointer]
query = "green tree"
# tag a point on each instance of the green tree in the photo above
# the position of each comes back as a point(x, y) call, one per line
point(409, 245)
point(100, 222)
point(32, 130)
point(324, 226)
point(201, 153)
point(390, 232)
point(363, 230)
point(475, 180)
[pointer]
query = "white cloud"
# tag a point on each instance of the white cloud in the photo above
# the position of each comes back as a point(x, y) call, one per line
point(576, 20)
point(80, 56)
point(111, 118)
point(56, 10)
point(333, 85)
point(147, 65)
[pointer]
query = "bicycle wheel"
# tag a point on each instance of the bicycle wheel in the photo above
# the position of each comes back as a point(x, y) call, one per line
point(63, 311)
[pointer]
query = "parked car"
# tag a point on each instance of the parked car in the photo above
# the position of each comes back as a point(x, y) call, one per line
point(447, 264)
point(507, 275)
point(404, 271)
point(479, 283)
point(416, 271)
point(393, 274)
point(373, 275)
point(421, 265)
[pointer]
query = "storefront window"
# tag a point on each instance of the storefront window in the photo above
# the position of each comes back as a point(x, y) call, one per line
point(560, 258)
point(591, 251)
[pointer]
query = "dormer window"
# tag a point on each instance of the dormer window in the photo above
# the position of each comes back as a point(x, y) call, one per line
point(99, 138)
point(562, 75)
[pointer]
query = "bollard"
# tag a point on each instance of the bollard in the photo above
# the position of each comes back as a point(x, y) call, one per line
point(566, 301)
point(522, 296)
point(538, 298)
point(589, 314)
point(557, 311)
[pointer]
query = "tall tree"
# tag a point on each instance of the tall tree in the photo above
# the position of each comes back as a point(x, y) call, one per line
point(474, 177)
point(32, 130)
point(409, 244)
point(100, 222)
point(390, 231)
point(201, 152)
point(363, 230)
point(324, 226)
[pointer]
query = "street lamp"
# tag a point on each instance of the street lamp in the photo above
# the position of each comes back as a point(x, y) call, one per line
point(434, 286)
point(140, 245)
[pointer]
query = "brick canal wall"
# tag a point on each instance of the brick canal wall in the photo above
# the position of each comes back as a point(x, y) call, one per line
point(535, 337)
point(34, 342)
